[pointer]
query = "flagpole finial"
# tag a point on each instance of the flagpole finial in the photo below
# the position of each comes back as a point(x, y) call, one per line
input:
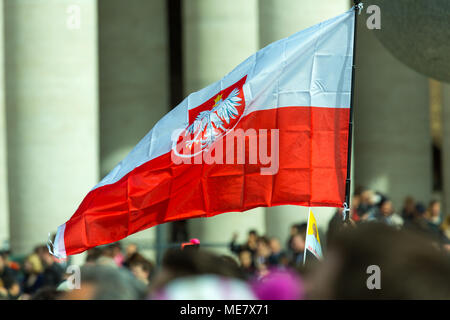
point(358, 6)
point(50, 245)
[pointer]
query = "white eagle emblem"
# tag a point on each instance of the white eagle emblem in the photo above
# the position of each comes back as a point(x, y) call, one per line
point(208, 125)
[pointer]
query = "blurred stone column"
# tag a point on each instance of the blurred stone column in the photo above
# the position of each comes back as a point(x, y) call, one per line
point(218, 35)
point(446, 147)
point(392, 123)
point(279, 19)
point(134, 95)
point(4, 208)
point(52, 113)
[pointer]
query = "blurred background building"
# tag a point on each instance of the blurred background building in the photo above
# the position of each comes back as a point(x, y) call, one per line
point(82, 81)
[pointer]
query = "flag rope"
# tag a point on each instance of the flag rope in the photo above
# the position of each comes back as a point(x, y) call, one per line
point(346, 214)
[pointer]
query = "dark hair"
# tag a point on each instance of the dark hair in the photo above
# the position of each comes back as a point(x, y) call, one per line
point(180, 263)
point(432, 203)
point(46, 293)
point(420, 209)
point(411, 266)
point(383, 200)
point(113, 283)
point(137, 259)
point(301, 228)
point(93, 254)
point(264, 239)
point(232, 264)
point(40, 249)
point(359, 190)
point(117, 245)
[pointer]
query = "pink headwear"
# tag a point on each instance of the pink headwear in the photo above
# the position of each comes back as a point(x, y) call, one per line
point(279, 285)
point(195, 241)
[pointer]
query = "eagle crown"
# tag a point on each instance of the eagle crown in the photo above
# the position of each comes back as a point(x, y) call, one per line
point(208, 125)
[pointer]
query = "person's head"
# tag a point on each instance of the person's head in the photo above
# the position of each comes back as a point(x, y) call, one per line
point(245, 259)
point(204, 287)
point(410, 266)
point(93, 255)
point(294, 230)
point(367, 197)
point(356, 201)
point(263, 247)
point(116, 248)
point(46, 293)
point(131, 249)
point(409, 204)
point(386, 208)
point(102, 282)
point(46, 258)
point(200, 261)
point(136, 258)
point(2, 261)
point(33, 265)
point(419, 210)
point(182, 263)
point(233, 266)
point(434, 209)
point(142, 270)
point(252, 236)
point(106, 257)
point(298, 243)
point(275, 245)
point(5, 255)
point(107, 251)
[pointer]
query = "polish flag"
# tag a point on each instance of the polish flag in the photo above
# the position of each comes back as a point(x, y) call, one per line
point(274, 131)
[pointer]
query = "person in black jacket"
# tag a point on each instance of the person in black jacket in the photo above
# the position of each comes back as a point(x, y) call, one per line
point(53, 272)
point(9, 286)
point(250, 244)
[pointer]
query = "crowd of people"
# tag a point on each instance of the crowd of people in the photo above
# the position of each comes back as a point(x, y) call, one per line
point(38, 270)
point(411, 248)
point(414, 216)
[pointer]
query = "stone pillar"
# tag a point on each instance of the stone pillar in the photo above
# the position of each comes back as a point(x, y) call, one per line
point(4, 208)
point(279, 19)
point(52, 113)
point(446, 147)
point(134, 95)
point(392, 126)
point(217, 36)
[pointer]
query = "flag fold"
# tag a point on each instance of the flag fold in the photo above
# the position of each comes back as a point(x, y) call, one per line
point(273, 131)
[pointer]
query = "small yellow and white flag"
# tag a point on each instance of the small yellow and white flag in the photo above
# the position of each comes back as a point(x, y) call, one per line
point(312, 243)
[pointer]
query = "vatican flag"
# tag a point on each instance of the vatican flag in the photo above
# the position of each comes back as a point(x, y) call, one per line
point(312, 243)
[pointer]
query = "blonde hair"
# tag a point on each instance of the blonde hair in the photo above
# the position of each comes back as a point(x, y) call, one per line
point(445, 226)
point(35, 262)
point(428, 212)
